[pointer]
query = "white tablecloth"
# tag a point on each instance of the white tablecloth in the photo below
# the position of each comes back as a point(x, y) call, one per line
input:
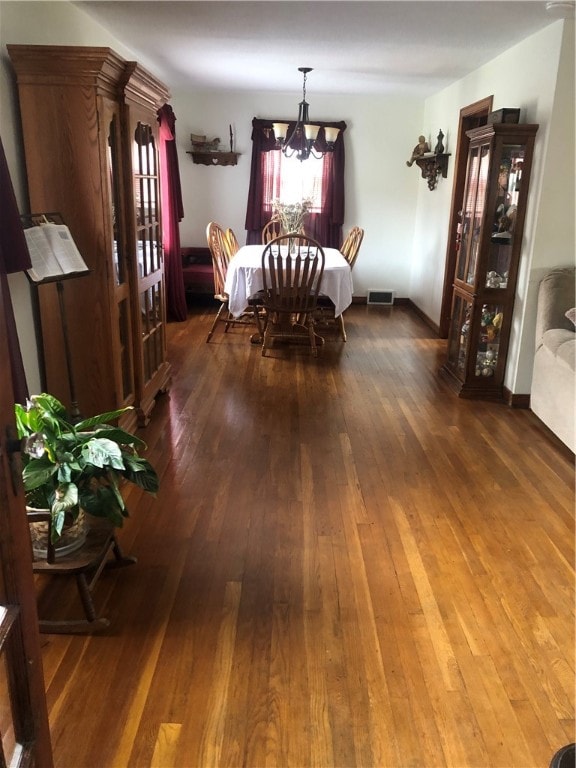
point(245, 278)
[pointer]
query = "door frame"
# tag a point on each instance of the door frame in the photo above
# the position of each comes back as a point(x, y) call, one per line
point(19, 633)
point(472, 116)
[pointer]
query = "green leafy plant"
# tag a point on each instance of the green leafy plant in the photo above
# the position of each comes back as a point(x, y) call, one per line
point(67, 467)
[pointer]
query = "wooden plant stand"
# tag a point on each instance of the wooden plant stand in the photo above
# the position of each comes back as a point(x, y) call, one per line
point(100, 551)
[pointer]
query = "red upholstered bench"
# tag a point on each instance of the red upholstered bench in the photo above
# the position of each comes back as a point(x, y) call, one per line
point(197, 270)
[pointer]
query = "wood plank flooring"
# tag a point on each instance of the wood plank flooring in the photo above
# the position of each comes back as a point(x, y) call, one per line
point(346, 565)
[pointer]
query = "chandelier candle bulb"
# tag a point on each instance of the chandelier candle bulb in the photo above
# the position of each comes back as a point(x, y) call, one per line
point(280, 130)
point(331, 134)
point(311, 132)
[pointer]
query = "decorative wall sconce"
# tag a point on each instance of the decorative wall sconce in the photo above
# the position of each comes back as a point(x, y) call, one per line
point(431, 164)
point(209, 152)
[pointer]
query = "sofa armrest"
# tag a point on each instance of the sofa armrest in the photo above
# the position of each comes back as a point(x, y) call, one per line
point(556, 294)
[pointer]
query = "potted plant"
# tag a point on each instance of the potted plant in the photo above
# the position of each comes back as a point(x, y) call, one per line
point(74, 468)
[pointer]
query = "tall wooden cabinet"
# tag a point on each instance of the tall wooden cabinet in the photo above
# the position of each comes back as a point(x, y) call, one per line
point(91, 146)
point(489, 245)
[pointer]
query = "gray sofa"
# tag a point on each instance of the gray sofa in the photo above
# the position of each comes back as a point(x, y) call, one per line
point(553, 380)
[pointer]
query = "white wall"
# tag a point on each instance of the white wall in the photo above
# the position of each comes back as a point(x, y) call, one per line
point(42, 23)
point(525, 76)
point(380, 190)
point(406, 224)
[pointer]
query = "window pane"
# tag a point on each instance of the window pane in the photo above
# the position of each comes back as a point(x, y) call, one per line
point(290, 180)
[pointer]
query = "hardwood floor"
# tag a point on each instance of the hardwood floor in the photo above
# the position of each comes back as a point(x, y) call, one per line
point(346, 565)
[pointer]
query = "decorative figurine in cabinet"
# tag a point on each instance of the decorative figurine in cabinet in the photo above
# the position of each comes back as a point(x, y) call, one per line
point(489, 245)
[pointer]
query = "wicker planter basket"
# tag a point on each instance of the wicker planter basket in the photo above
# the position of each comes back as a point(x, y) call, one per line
point(72, 538)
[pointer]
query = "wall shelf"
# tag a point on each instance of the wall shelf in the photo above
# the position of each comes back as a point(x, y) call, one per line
point(433, 166)
point(214, 157)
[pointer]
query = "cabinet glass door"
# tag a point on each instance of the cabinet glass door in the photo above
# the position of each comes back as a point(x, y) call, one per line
point(472, 214)
point(504, 216)
point(125, 382)
point(459, 337)
point(149, 251)
point(488, 342)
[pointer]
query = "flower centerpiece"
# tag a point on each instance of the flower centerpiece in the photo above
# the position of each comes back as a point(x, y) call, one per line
point(292, 215)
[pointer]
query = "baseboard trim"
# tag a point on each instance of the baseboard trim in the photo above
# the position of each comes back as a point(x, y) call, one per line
point(516, 401)
point(423, 316)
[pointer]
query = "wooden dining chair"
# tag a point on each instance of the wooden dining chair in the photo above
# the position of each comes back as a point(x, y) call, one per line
point(351, 245)
point(272, 229)
point(292, 269)
point(326, 310)
point(221, 246)
point(232, 242)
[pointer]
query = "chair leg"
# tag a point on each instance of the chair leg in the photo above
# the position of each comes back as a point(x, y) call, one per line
point(342, 329)
point(86, 596)
point(229, 321)
point(312, 334)
point(265, 340)
point(211, 331)
point(257, 338)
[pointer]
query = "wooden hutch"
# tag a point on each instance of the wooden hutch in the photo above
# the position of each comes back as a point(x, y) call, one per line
point(89, 121)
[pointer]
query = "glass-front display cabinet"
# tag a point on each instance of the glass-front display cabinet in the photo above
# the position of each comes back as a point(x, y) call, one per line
point(489, 244)
point(90, 130)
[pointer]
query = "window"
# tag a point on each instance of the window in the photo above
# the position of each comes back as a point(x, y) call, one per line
point(289, 180)
point(274, 176)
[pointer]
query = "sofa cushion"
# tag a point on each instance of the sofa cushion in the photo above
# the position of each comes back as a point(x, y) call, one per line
point(562, 345)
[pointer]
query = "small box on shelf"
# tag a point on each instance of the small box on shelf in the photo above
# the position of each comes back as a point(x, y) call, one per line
point(504, 116)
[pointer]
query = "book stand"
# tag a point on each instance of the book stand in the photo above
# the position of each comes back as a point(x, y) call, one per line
point(35, 220)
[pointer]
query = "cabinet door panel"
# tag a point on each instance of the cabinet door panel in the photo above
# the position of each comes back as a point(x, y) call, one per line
point(152, 370)
point(121, 287)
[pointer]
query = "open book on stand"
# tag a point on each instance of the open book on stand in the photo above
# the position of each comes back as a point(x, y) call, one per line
point(53, 253)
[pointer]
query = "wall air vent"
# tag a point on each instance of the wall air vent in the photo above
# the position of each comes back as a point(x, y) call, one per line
point(382, 296)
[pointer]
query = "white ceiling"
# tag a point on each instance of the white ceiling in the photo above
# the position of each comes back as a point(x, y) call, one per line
point(416, 47)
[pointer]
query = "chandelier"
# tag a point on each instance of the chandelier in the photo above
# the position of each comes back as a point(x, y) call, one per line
point(302, 139)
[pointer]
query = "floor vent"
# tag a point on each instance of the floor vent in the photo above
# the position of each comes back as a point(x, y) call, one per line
point(382, 296)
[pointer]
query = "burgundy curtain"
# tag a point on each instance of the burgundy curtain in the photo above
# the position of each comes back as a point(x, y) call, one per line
point(14, 257)
point(326, 226)
point(172, 214)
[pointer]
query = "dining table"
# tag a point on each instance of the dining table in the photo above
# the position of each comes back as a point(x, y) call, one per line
point(245, 278)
